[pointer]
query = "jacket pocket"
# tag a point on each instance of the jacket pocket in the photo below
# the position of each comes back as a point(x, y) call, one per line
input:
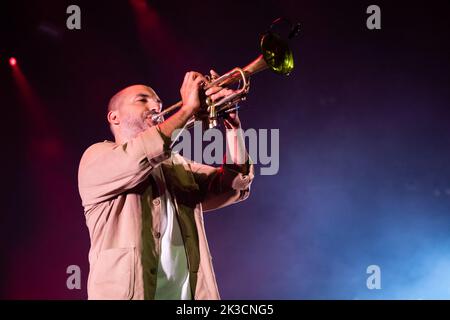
point(113, 275)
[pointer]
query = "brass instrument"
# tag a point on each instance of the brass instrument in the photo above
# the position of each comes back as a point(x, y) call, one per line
point(275, 55)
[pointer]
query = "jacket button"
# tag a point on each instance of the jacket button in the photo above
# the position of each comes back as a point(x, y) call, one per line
point(158, 235)
point(156, 202)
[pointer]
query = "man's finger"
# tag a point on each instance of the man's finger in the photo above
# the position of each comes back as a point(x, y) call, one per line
point(199, 79)
point(213, 90)
point(222, 93)
point(214, 74)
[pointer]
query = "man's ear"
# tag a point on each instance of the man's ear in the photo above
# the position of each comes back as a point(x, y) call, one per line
point(113, 117)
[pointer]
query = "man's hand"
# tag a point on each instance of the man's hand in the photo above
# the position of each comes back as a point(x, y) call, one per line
point(231, 121)
point(190, 91)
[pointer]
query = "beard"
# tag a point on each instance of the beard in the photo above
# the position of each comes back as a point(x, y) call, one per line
point(132, 126)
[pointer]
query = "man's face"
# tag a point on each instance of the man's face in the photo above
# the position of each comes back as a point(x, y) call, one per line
point(136, 105)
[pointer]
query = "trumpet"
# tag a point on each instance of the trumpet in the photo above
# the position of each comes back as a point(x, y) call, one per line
point(275, 55)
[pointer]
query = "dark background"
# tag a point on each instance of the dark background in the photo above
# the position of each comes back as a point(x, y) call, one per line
point(364, 140)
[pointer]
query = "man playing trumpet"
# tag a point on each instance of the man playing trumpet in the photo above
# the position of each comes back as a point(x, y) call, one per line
point(144, 204)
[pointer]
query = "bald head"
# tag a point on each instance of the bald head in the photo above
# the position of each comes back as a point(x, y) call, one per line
point(117, 99)
point(129, 111)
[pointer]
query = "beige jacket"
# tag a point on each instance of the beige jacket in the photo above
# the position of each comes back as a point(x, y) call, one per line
point(122, 209)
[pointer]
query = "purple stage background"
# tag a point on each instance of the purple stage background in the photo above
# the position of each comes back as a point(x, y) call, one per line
point(364, 140)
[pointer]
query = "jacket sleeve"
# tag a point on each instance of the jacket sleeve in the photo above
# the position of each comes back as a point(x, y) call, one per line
point(107, 169)
point(224, 185)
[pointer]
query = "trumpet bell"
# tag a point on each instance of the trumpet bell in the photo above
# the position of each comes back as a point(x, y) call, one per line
point(277, 54)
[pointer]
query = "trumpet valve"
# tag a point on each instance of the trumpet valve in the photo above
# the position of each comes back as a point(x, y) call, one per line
point(212, 116)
